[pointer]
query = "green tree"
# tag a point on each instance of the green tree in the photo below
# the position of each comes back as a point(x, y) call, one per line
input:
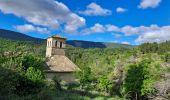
point(85, 77)
point(133, 81)
point(104, 84)
point(34, 75)
point(167, 57)
point(30, 60)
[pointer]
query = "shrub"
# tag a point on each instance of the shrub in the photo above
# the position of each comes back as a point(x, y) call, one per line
point(71, 86)
point(104, 84)
point(34, 75)
point(30, 60)
point(57, 83)
point(133, 81)
point(8, 81)
point(45, 94)
point(167, 57)
point(140, 79)
point(85, 77)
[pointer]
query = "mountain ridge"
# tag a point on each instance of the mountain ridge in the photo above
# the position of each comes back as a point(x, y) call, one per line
point(12, 35)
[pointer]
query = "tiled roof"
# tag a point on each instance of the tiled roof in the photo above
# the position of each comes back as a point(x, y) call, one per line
point(57, 36)
point(60, 63)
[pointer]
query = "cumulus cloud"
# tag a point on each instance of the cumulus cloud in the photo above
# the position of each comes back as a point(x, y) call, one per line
point(120, 10)
point(160, 35)
point(94, 9)
point(112, 28)
point(125, 42)
point(149, 3)
point(47, 13)
point(130, 30)
point(31, 28)
point(152, 33)
point(97, 28)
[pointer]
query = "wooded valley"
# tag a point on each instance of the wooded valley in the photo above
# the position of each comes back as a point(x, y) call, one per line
point(139, 73)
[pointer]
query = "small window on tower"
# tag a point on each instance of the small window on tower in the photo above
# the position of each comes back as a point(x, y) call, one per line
point(60, 44)
point(56, 44)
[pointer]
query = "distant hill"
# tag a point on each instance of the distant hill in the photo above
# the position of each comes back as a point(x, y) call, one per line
point(7, 34)
point(90, 44)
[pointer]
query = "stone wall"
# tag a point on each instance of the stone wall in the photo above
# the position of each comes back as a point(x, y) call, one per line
point(58, 51)
point(48, 52)
point(65, 77)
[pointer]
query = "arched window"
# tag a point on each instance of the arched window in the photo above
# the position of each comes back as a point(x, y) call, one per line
point(60, 44)
point(56, 44)
point(50, 43)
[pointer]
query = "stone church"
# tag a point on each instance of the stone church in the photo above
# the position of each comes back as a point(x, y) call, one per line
point(58, 64)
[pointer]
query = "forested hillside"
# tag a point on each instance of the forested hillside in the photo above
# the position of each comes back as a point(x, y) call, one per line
point(90, 44)
point(141, 73)
point(7, 34)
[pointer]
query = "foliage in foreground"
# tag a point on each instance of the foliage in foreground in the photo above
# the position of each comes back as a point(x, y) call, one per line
point(120, 73)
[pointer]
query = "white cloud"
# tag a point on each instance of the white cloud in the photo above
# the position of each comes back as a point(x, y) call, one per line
point(149, 3)
point(120, 10)
point(152, 33)
point(125, 42)
point(31, 28)
point(111, 28)
point(94, 9)
point(73, 23)
point(160, 35)
point(97, 28)
point(47, 13)
point(130, 30)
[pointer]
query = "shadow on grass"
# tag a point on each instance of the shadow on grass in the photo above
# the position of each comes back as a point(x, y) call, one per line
point(85, 93)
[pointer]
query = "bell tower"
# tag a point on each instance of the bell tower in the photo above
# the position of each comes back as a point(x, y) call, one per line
point(55, 45)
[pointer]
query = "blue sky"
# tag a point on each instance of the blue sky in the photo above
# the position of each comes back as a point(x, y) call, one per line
point(120, 21)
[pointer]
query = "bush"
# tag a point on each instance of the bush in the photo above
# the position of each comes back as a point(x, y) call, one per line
point(167, 57)
point(8, 81)
point(32, 61)
point(85, 77)
point(57, 83)
point(104, 84)
point(133, 81)
point(140, 79)
point(71, 86)
point(13, 83)
point(34, 75)
point(45, 94)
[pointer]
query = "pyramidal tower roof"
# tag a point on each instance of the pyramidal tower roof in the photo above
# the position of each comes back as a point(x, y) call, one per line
point(60, 63)
point(57, 36)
